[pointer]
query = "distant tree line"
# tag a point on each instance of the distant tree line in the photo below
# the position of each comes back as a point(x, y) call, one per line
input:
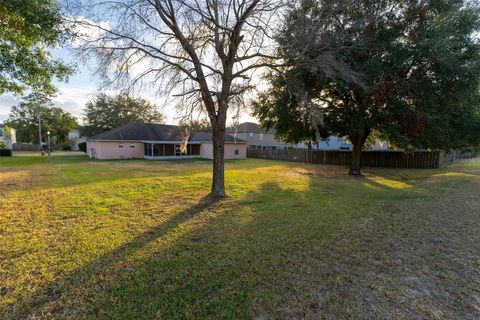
point(35, 116)
point(108, 112)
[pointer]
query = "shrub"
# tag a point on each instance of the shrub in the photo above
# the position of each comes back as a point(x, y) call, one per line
point(5, 153)
point(66, 147)
point(82, 146)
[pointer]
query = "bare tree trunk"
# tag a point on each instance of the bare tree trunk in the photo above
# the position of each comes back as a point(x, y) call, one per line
point(358, 140)
point(218, 182)
point(218, 137)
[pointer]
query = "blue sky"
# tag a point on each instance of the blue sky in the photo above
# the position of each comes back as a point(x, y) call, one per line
point(71, 96)
point(82, 87)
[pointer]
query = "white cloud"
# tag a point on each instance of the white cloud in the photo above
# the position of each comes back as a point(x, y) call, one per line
point(85, 29)
point(73, 99)
point(6, 102)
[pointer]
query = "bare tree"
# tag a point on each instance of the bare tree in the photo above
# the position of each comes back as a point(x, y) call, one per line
point(204, 52)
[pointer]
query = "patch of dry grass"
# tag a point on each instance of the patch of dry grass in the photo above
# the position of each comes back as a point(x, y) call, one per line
point(136, 239)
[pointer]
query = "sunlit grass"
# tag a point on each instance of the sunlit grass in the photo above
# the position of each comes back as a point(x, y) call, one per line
point(389, 183)
point(137, 239)
point(455, 174)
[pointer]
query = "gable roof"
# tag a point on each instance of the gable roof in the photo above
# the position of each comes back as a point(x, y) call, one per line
point(207, 137)
point(249, 127)
point(141, 131)
point(154, 132)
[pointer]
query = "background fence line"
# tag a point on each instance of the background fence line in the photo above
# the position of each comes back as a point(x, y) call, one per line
point(33, 147)
point(388, 159)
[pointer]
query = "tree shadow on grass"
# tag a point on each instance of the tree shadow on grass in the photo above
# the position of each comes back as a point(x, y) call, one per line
point(44, 301)
point(266, 256)
point(75, 174)
point(237, 258)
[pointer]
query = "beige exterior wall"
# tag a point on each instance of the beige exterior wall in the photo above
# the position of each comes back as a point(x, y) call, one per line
point(106, 150)
point(206, 151)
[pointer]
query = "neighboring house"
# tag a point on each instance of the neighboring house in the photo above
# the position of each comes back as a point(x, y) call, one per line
point(380, 145)
point(3, 136)
point(74, 138)
point(158, 141)
point(259, 138)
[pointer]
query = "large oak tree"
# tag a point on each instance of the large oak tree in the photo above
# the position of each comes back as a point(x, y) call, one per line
point(407, 69)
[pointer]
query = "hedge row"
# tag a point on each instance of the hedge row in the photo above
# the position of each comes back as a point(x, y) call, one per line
point(82, 146)
point(5, 153)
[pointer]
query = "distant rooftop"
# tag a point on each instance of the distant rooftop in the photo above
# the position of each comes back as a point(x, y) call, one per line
point(154, 132)
point(249, 127)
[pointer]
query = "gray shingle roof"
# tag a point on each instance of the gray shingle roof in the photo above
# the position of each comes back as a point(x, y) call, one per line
point(249, 127)
point(154, 132)
point(141, 131)
point(207, 137)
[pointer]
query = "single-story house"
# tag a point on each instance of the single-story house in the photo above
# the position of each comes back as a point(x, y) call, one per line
point(159, 142)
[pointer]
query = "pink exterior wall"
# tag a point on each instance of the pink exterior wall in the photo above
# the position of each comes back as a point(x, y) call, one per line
point(110, 150)
point(107, 150)
point(206, 151)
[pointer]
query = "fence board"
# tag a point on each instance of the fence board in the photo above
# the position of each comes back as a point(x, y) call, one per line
point(388, 159)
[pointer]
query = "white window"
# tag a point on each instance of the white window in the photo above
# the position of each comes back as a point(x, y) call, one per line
point(261, 136)
point(132, 146)
point(237, 152)
point(251, 134)
point(120, 145)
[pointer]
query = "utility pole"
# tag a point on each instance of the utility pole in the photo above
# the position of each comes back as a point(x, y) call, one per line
point(48, 136)
point(40, 131)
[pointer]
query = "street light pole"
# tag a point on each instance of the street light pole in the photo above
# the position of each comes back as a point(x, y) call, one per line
point(40, 132)
point(48, 136)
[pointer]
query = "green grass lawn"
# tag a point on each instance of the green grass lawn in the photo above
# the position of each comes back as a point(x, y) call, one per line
point(83, 239)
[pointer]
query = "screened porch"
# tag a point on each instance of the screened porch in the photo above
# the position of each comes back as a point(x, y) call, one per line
point(170, 150)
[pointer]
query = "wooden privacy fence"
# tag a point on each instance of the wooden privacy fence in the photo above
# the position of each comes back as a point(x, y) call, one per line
point(389, 159)
point(32, 147)
point(25, 147)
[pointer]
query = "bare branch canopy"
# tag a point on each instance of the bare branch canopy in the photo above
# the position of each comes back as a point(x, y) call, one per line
point(206, 53)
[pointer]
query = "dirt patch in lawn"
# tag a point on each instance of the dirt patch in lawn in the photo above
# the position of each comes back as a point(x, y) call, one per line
point(415, 258)
point(318, 171)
